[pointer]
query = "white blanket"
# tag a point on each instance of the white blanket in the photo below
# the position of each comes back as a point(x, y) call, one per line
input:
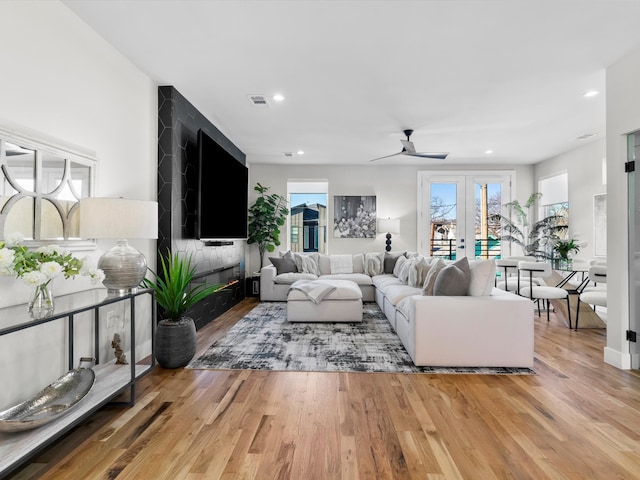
point(315, 291)
point(341, 264)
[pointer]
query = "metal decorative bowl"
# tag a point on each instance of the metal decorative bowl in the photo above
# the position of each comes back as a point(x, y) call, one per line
point(51, 402)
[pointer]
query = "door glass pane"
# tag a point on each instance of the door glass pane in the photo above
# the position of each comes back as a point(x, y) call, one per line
point(307, 232)
point(488, 202)
point(443, 220)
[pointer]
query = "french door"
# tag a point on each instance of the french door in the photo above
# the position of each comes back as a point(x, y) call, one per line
point(455, 213)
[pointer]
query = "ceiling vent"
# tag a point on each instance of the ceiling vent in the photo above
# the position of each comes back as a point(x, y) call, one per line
point(258, 100)
point(288, 154)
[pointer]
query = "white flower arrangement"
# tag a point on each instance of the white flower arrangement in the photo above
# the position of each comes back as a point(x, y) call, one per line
point(40, 266)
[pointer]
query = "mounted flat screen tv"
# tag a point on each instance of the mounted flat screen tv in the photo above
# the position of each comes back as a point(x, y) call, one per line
point(223, 184)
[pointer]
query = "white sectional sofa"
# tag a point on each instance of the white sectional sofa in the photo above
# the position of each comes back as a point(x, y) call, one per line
point(483, 327)
point(274, 287)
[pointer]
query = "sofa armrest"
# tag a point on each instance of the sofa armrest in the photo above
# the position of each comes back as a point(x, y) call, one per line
point(267, 281)
point(495, 330)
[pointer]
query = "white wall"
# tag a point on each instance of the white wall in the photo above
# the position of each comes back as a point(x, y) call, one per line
point(62, 79)
point(395, 189)
point(623, 117)
point(584, 171)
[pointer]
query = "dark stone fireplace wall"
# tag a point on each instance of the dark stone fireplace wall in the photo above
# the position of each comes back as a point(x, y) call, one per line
point(178, 124)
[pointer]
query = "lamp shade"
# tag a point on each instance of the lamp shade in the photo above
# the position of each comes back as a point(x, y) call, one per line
point(124, 267)
point(118, 218)
point(389, 225)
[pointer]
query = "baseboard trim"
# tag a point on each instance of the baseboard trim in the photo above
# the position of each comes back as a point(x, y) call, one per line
point(620, 360)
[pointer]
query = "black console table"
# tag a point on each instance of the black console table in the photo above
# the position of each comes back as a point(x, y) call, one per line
point(111, 379)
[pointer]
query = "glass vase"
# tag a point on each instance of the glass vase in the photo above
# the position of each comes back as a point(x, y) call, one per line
point(41, 304)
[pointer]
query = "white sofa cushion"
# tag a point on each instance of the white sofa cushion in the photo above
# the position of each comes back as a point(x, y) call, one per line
point(344, 290)
point(382, 282)
point(396, 293)
point(483, 275)
point(358, 278)
point(341, 264)
point(288, 278)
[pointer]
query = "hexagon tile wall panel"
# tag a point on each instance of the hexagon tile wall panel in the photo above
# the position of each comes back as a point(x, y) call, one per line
point(178, 125)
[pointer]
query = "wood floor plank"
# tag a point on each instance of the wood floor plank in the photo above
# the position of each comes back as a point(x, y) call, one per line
point(577, 418)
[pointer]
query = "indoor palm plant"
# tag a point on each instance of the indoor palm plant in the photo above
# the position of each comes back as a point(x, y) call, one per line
point(175, 340)
point(266, 216)
point(535, 239)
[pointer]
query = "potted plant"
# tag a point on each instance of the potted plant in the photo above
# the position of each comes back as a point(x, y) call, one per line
point(564, 248)
point(175, 339)
point(266, 216)
point(534, 239)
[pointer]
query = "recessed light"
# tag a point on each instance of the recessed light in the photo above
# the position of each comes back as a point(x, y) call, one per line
point(488, 152)
point(591, 93)
point(278, 97)
point(300, 152)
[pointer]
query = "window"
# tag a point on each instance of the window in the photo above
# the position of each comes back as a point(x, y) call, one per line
point(555, 200)
point(308, 216)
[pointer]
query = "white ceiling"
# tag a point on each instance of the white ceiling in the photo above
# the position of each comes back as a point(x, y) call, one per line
point(467, 76)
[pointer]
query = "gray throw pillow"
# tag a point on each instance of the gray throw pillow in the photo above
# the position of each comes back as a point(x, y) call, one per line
point(390, 260)
point(284, 264)
point(453, 280)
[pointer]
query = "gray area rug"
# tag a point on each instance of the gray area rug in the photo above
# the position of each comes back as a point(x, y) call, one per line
point(264, 340)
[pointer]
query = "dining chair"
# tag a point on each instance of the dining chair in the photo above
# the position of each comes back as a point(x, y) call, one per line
point(594, 292)
point(508, 269)
point(544, 293)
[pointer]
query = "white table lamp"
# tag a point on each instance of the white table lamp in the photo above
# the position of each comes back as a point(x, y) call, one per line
point(124, 267)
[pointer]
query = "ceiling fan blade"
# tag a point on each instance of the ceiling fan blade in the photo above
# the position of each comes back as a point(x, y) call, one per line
point(436, 155)
point(408, 146)
point(387, 156)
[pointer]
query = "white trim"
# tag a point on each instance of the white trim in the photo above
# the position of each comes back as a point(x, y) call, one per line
point(619, 359)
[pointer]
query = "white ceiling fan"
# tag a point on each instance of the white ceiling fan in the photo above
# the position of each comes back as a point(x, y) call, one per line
point(409, 149)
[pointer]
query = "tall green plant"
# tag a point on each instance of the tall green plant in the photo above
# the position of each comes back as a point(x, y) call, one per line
point(266, 216)
point(535, 239)
point(172, 288)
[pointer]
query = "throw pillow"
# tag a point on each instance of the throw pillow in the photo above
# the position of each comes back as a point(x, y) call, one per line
point(453, 280)
point(341, 264)
point(483, 275)
point(400, 261)
point(284, 264)
point(374, 263)
point(390, 259)
point(435, 266)
point(306, 263)
point(403, 276)
point(418, 272)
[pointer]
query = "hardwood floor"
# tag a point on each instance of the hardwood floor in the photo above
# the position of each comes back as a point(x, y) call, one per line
point(578, 418)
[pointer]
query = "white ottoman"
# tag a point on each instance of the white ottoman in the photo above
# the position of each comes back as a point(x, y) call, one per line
point(344, 304)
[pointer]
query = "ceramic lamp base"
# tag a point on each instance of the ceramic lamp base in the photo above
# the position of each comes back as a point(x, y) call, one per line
point(124, 268)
